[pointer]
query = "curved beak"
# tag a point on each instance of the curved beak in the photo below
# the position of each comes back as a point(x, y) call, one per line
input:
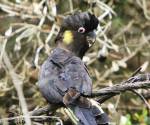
point(91, 37)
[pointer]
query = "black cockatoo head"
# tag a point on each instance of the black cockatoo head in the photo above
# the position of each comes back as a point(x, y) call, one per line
point(77, 32)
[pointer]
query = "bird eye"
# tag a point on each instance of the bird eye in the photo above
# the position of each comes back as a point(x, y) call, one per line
point(81, 30)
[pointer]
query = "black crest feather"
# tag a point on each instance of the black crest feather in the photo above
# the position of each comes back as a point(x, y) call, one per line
point(84, 19)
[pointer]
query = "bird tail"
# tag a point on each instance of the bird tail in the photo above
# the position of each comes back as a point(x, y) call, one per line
point(89, 116)
point(85, 116)
point(100, 115)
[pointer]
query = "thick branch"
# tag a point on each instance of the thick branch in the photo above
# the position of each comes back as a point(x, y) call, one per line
point(104, 94)
point(118, 88)
point(108, 92)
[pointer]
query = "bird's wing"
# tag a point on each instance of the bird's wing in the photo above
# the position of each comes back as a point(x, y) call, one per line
point(48, 82)
point(75, 75)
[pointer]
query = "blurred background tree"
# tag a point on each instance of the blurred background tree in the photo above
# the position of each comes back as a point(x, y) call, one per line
point(27, 31)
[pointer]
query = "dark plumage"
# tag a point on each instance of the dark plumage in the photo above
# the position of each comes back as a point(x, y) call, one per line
point(85, 19)
point(80, 44)
point(64, 78)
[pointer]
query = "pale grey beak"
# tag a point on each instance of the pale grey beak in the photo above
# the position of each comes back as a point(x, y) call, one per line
point(91, 37)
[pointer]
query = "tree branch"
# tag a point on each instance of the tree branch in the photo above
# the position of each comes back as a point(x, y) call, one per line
point(104, 94)
point(118, 88)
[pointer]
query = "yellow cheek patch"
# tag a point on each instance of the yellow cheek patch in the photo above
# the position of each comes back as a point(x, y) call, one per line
point(67, 37)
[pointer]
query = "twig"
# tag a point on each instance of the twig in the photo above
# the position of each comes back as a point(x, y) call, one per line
point(136, 92)
point(142, 97)
point(118, 88)
point(2, 49)
point(109, 92)
point(123, 30)
point(146, 95)
point(32, 117)
point(71, 6)
point(71, 115)
point(36, 58)
point(143, 5)
point(22, 59)
point(41, 110)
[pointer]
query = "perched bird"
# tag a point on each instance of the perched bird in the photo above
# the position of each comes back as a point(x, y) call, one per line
point(63, 78)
